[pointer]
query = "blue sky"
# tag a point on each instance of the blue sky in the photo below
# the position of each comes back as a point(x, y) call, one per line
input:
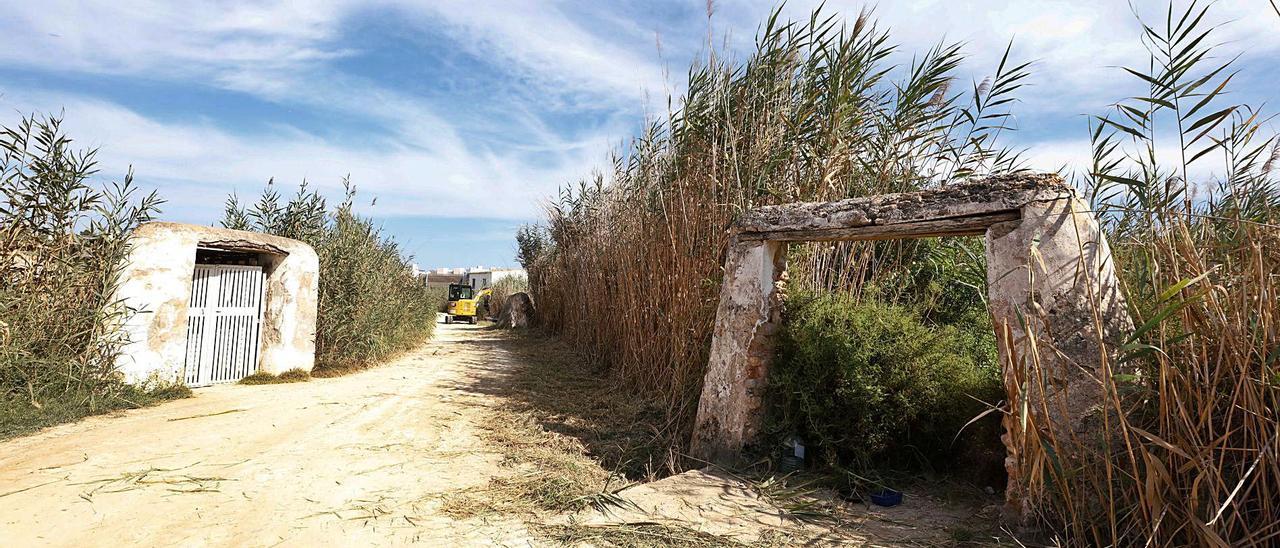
point(462, 117)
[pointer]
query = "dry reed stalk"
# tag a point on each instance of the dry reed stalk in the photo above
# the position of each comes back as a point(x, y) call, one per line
point(632, 268)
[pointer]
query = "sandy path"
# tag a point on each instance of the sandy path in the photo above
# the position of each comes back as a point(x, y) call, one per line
point(353, 460)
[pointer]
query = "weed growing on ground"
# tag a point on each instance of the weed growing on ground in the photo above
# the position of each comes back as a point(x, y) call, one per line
point(18, 417)
point(262, 377)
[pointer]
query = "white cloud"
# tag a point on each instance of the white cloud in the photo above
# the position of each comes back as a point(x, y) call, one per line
point(1066, 156)
point(279, 52)
point(247, 47)
point(1074, 156)
point(1077, 45)
point(559, 51)
point(558, 59)
point(199, 164)
point(164, 39)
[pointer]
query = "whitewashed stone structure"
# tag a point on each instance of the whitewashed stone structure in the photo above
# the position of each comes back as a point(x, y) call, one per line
point(157, 284)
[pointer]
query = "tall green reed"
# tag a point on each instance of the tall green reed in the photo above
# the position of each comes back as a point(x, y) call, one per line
point(371, 307)
point(63, 243)
point(1184, 182)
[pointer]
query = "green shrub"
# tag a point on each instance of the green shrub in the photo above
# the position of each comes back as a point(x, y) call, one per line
point(371, 307)
point(63, 241)
point(865, 383)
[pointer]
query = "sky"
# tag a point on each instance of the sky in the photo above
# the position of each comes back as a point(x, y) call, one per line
point(463, 117)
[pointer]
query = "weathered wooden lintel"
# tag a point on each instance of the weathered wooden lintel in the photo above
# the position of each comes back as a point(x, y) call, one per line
point(967, 225)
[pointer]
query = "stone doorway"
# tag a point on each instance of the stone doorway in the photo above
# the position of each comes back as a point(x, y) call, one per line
point(1053, 296)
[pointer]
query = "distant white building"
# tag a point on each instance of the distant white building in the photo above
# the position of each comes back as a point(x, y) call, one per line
point(484, 278)
point(478, 277)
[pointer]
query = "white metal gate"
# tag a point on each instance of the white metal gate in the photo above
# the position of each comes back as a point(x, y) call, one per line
point(223, 326)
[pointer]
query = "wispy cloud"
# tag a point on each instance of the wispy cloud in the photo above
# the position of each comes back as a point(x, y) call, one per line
point(1077, 45)
point(165, 39)
point(199, 164)
point(554, 49)
point(571, 78)
point(281, 53)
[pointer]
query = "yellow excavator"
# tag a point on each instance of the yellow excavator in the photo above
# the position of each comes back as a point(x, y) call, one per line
point(464, 303)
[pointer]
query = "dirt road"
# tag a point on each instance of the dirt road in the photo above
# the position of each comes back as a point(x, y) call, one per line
point(355, 460)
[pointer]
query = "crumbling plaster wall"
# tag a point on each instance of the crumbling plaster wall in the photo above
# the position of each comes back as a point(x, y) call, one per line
point(156, 283)
point(1059, 316)
point(1051, 287)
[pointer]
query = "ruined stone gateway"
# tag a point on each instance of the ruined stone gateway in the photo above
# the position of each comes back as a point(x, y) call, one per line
point(1053, 296)
point(213, 305)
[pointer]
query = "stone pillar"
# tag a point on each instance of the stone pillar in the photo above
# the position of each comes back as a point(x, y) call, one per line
point(1054, 299)
point(730, 410)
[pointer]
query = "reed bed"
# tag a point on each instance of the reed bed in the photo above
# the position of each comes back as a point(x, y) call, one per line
point(1189, 451)
point(501, 291)
point(371, 306)
point(627, 266)
point(63, 240)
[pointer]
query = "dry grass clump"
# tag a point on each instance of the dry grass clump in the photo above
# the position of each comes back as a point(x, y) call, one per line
point(295, 375)
point(63, 240)
point(641, 536)
point(263, 377)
